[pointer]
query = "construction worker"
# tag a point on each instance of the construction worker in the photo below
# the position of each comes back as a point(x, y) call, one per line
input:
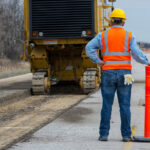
point(117, 45)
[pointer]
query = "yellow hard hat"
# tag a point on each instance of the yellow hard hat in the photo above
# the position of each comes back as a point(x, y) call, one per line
point(118, 13)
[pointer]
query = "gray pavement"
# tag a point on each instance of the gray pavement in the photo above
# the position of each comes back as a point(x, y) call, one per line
point(139, 70)
point(77, 129)
point(15, 87)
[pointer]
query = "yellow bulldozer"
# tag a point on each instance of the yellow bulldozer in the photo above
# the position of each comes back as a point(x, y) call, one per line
point(56, 33)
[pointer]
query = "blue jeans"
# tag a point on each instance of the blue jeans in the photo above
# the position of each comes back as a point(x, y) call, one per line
point(112, 81)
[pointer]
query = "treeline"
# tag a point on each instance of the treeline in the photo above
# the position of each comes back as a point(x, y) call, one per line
point(11, 28)
point(144, 45)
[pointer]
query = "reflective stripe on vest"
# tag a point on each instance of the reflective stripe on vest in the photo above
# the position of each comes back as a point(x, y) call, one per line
point(107, 53)
point(117, 62)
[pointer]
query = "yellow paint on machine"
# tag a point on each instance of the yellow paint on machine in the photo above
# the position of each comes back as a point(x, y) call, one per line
point(54, 55)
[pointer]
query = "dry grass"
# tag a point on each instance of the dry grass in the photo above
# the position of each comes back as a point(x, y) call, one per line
point(10, 68)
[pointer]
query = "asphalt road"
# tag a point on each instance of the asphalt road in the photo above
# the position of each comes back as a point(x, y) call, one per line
point(78, 127)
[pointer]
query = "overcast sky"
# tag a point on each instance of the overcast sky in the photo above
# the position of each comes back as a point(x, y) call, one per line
point(138, 17)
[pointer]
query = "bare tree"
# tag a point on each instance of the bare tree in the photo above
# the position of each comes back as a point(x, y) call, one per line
point(11, 28)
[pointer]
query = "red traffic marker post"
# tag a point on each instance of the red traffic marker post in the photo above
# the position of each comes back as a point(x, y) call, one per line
point(146, 137)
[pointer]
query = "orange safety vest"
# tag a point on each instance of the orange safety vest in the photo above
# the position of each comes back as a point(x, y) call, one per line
point(116, 53)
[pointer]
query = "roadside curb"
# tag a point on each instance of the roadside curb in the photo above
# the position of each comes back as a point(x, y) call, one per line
point(14, 96)
point(15, 79)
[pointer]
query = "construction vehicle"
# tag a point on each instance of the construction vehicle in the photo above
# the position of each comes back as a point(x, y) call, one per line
point(56, 33)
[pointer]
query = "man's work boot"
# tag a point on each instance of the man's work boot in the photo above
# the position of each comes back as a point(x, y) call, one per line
point(103, 138)
point(127, 139)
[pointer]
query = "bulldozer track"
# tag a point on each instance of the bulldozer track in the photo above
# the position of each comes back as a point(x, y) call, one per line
point(38, 83)
point(89, 80)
